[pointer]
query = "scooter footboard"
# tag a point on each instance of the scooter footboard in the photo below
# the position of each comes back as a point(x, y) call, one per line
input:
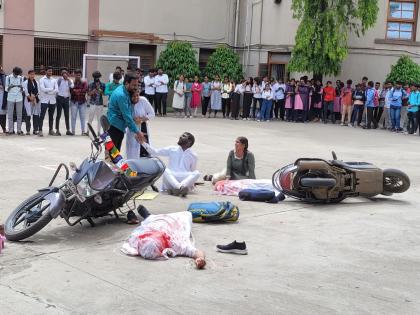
point(369, 182)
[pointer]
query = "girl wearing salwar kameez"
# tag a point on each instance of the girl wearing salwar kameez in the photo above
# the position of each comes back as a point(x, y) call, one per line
point(196, 95)
point(216, 96)
point(316, 100)
point(178, 100)
point(290, 100)
point(302, 101)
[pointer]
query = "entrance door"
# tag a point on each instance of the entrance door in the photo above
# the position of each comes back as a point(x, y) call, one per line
point(277, 65)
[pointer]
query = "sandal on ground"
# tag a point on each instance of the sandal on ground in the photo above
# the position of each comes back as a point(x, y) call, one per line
point(132, 218)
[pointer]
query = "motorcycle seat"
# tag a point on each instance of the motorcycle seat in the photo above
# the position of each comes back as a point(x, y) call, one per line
point(354, 165)
point(145, 166)
point(148, 170)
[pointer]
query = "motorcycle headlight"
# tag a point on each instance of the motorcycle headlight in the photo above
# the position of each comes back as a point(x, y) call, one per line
point(84, 189)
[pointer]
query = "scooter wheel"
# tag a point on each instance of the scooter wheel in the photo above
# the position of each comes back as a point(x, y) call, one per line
point(395, 182)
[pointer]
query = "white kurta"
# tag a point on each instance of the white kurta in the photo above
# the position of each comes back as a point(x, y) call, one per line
point(178, 101)
point(142, 109)
point(181, 169)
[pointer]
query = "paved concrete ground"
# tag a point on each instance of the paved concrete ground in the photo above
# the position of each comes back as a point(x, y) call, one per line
point(359, 257)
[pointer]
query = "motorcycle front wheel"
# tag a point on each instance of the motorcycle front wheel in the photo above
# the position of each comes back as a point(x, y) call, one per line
point(28, 218)
point(395, 181)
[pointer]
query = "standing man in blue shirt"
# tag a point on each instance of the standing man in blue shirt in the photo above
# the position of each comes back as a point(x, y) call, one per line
point(396, 96)
point(120, 112)
point(370, 106)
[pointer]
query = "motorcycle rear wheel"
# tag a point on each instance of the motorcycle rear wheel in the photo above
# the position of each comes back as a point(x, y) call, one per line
point(34, 218)
point(395, 182)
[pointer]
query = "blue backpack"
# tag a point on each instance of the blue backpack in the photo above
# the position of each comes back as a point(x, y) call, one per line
point(213, 212)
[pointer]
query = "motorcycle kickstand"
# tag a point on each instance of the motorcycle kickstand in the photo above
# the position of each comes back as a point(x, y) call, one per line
point(92, 224)
point(116, 214)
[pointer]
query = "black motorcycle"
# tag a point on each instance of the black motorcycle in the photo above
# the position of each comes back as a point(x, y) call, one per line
point(95, 189)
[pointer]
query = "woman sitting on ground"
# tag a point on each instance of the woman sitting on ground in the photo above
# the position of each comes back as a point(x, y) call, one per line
point(240, 164)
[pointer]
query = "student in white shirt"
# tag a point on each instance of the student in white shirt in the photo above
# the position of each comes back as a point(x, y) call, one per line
point(48, 89)
point(63, 102)
point(267, 103)
point(279, 89)
point(149, 86)
point(14, 87)
point(236, 99)
point(142, 113)
point(181, 171)
point(161, 84)
point(31, 103)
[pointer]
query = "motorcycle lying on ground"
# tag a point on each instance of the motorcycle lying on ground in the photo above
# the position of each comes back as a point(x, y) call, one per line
point(95, 189)
point(321, 181)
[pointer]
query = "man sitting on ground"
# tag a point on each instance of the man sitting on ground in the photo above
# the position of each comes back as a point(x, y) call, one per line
point(181, 172)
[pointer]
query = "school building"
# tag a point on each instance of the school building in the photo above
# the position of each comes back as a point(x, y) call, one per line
point(34, 34)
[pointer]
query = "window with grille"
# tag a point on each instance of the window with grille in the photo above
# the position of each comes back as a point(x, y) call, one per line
point(59, 54)
point(147, 54)
point(203, 58)
point(402, 20)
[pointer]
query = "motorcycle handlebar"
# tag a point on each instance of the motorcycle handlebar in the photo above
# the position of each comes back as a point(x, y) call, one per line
point(95, 140)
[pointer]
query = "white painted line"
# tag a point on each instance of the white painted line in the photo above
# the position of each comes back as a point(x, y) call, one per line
point(49, 167)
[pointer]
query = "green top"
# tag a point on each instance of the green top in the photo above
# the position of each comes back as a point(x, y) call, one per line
point(110, 87)
point(240, 168)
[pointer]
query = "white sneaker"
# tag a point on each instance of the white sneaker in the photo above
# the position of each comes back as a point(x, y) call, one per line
point(258, 120)
point(244, 119)
point(342, 124)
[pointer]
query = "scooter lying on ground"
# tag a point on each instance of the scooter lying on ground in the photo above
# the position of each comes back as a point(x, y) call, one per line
point(95, 189)
point(321, 181)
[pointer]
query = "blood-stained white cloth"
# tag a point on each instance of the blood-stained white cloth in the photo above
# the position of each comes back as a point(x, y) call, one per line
point(174, 228)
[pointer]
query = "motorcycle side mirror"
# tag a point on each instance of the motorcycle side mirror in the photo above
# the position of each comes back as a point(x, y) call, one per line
point(334, 155)
point(73, 167)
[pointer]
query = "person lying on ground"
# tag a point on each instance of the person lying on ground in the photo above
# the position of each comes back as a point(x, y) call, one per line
point(164, 236)
point(240, 164)
point(181, 172)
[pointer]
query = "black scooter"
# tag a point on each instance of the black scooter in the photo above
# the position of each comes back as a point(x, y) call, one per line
point(95, 189)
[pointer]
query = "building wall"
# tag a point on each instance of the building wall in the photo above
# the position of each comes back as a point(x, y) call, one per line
point(264, 27)
point(18, 42)
point(62, 19)
point(202, 21)
point(278, 29)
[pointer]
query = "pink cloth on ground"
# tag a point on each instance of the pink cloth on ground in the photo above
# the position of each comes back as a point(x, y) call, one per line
point(233, 187)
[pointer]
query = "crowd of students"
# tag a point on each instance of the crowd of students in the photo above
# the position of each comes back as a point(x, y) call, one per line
point(366, 104)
